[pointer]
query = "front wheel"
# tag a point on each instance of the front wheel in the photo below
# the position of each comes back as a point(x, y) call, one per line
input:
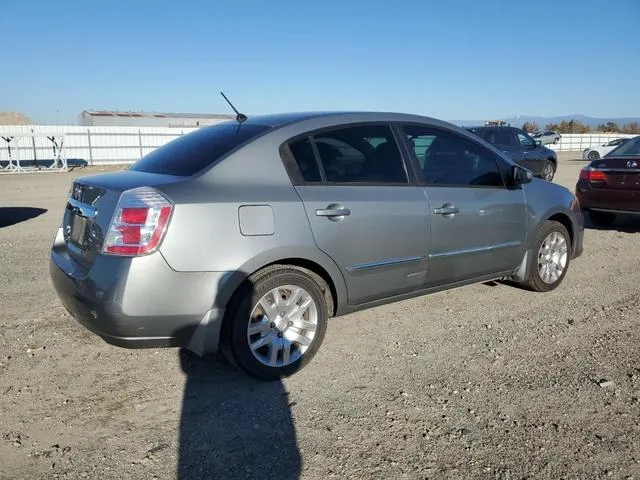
point(556, 140)
point(593, 155)
point(548, 171)
point(276, 324)
point(550, 263)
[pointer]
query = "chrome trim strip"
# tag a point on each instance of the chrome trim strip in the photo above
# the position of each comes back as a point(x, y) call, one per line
point(476, 250)
point(617, 170)
point(385, 263)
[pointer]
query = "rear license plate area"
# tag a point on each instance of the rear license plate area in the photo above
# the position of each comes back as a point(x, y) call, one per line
point(78, 226)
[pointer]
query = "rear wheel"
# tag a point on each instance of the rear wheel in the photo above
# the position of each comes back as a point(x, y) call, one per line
point(593, 155)
point(550, 263)
point(276, 323)
point(601, 218)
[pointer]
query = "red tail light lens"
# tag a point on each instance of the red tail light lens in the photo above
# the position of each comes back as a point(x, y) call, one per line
point(592, 175)
point(139, 223)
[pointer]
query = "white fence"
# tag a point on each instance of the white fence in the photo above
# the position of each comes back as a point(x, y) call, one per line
point(90, 145)
point(123, 145)
point(580, 141)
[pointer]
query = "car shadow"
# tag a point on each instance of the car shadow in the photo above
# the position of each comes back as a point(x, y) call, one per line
point(12, 215)
point(622, 224)
point(232, 425)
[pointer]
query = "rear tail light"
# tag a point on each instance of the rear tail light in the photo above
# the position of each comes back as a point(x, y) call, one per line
point(139, 223)
point(590, 174)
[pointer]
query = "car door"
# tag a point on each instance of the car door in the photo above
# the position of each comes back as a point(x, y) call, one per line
point(532, 155)
point(363, 210)
point(478, 225)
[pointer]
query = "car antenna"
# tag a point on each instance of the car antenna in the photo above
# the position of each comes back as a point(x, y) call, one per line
point(240, 117)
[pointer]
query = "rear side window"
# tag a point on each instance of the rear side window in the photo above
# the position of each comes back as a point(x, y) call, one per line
point(195, 151)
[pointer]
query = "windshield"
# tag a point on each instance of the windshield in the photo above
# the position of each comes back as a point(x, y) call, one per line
point(632, 147)
point(197, 150)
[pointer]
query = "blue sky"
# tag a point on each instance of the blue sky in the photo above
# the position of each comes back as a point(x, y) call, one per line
point(450, 59)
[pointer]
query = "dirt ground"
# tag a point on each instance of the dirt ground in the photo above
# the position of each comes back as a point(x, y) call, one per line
point(487, 382)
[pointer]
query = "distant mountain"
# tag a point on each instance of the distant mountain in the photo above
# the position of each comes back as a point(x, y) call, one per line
point(519, 120)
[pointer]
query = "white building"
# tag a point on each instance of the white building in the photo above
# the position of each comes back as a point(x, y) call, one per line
point(148, 119)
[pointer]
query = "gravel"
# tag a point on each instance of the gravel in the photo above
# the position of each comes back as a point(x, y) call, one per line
point(487, 381)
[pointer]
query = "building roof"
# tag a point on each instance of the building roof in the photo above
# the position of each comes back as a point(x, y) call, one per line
point(110, 113)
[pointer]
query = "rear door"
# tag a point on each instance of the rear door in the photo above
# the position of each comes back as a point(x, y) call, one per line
point(364, 211)
point(478, 226)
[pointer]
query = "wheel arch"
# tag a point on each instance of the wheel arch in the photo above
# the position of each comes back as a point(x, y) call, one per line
point(564, 219)
point(314, 262)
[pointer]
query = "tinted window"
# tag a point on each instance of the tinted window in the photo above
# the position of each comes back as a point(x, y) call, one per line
point(362, 154)
point(500, 136)
point(302, 152)
point(450, 159)
point(525, 140)
point(191, 153)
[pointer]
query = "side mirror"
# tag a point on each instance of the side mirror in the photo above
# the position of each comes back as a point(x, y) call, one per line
point(520, 175)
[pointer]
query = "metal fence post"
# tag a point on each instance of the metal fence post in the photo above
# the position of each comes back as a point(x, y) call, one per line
point(140, 141)
point(35, 152)
point(90, 148)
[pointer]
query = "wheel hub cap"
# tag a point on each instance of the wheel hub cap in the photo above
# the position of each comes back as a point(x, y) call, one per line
point(552, 257)
point(282, 326)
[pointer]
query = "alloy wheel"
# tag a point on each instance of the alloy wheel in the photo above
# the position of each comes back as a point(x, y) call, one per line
point(282, 326)
point(552, 257)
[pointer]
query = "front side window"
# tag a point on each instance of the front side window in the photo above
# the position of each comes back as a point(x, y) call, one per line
point(525, 140)
point(447, 158)
point(358, 154)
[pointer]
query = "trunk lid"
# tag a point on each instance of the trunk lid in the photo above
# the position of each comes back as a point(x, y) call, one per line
point(90, 207)
point(623, 173)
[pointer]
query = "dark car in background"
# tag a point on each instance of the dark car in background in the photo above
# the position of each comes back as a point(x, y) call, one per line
point(610, 185)
point(522, 148)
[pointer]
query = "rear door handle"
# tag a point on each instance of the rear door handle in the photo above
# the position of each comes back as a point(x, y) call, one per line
point(333, 212)
point(446, 209)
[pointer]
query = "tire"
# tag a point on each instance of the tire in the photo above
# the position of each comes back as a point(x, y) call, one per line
point(593, 155)
point(556, 140)
point(539, 279)
point(251, 336)
point(548, 170)
point(601, 219)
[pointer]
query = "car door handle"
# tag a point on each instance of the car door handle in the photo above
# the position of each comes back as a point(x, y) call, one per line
point(446, 210)
point(333, 212)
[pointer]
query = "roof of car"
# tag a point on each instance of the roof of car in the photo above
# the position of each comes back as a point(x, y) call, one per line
point(486, 127)
point(279, 119)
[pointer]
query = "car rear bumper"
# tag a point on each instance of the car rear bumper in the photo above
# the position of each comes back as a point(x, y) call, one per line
point(140, 302)
point(623, 201)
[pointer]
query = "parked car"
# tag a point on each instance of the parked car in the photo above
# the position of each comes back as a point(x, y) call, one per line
point(548, 136)
point(519, 145)
point(596, 152)
point(247, 236)
point(610, 185)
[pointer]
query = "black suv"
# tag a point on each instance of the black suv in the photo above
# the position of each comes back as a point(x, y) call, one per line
point(520, 146)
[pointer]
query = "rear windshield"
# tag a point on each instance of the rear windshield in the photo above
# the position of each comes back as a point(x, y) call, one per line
point(632, 147)
point(191, 153)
